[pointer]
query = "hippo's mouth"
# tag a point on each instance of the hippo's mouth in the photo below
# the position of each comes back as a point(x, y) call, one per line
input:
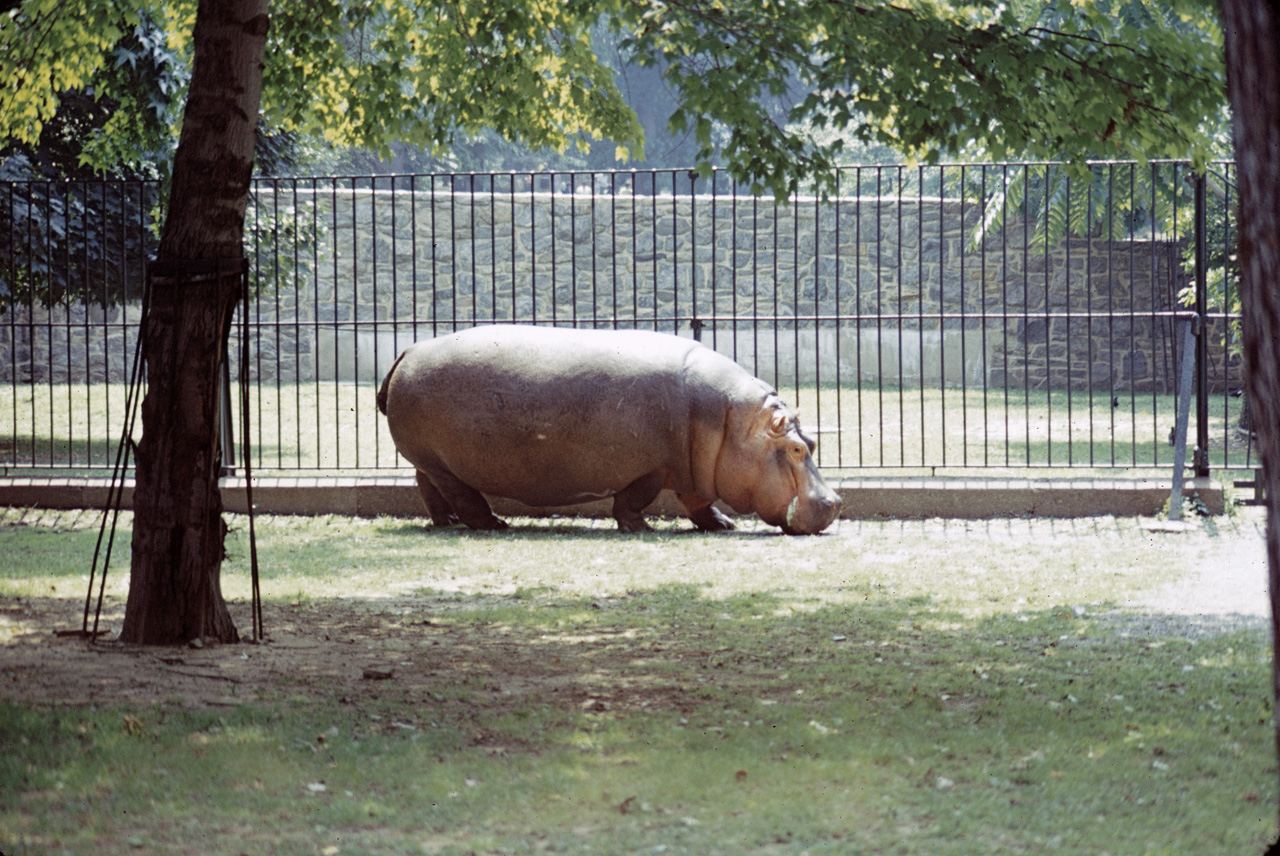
point(790, 520)
point(789, 526)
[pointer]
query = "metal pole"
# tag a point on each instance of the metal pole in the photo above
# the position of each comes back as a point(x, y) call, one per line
point(1186, 367)
point(1200, 460)
point(224, 418)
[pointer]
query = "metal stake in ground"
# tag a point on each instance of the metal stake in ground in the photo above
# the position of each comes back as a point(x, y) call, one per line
point(1185, 372)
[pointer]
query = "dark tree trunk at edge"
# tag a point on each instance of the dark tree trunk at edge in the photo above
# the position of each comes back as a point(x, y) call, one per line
point(175, 592)
point(1252, 29)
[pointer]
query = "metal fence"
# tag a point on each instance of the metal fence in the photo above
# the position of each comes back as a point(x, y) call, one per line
point(924, 319)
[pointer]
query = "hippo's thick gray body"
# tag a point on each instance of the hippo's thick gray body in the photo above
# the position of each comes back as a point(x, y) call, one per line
point(552, 416)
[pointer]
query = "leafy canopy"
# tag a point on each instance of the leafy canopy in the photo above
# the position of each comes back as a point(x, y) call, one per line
point(1120, 78)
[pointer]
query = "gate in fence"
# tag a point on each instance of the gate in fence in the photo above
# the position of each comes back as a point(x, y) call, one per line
point(1008, 317)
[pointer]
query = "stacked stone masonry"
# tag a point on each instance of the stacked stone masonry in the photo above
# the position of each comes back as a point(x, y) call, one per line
point(894, 289)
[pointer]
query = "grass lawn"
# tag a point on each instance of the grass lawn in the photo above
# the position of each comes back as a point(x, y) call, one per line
point(890, 687)
point(336, 426)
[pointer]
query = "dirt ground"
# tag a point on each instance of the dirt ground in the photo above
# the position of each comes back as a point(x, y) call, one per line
point(359, 650)
point(354, 653)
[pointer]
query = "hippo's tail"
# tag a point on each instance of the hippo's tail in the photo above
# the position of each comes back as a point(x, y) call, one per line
point(386, 382)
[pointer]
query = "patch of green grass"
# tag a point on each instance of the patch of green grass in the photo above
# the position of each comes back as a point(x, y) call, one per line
point(892, 687)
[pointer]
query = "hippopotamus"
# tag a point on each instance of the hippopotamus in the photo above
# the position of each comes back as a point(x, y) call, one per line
point(557, 416)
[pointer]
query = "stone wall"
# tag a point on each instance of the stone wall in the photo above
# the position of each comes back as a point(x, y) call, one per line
point(887, 289)
point(60, 343)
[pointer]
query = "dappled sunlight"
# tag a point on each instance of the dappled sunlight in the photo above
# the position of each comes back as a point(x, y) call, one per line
point(594, 684)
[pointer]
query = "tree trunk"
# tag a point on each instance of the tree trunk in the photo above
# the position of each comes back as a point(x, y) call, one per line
point(175, 594)
point(1252, 29)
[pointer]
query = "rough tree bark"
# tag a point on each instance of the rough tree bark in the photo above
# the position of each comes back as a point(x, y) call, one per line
point(1252, 29)
point(175, 594)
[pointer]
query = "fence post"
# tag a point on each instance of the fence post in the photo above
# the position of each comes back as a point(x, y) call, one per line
point(1200, 459)
point(1185, 326)
point(224, 420)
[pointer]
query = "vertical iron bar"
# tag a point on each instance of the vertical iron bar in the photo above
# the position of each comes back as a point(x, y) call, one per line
point(1088, 309)
point(1048, 324)
point(473, 285)
point(1200, 460)
point(921, 287)
point(337, 327)
point(943, 314)
point(613, 249)
point(1026, 308)
point(1133, 327)
point(66, 320)
point(1070, 361)
point(355, 299)
point(297, 322)
point(755, 284)
point(715, 304)
point(1227, 315)
point(275, 288)
point(493, 247)
point(795, 294)
point(515, 312)
point(839, 323)
point(900, 313)
point(48, 330)
point(314, 237)
point(1156, 323)
point(554, 272)
point(1111, 297)
point(675, 253)
point(1004, 297)
point(982, 337)
point(817, 314)
point(964, 323)
point(13, 332)
point(533, 248)
point(879, 233)
point(573, 248)
point(635, 252)
point(695, 323)
point(732, 270)
point(1186, 369)
point(453, 253)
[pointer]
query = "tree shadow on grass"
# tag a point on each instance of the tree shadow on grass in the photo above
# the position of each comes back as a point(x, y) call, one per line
point(752, 711)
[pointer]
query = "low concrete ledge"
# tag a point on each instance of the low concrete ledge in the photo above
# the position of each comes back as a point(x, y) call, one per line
point(978, 498)
point(973, 498)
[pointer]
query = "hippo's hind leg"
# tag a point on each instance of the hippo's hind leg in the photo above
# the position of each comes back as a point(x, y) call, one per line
point(454, 501)
point(442, 513)
point(630, 502)
point(704, 515)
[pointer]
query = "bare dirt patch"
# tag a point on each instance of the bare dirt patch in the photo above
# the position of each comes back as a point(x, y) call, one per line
point(355, 652)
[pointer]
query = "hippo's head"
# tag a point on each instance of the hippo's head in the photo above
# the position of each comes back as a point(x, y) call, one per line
point(766, 467)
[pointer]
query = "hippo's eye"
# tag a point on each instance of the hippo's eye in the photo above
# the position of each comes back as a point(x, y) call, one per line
point(798, 451)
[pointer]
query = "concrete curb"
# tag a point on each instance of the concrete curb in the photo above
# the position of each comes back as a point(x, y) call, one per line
point(972, 498)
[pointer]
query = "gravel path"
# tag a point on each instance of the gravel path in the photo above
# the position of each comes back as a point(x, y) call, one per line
point(1227, 590)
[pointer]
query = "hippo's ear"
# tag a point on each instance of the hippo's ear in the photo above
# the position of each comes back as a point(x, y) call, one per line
point(779, 424)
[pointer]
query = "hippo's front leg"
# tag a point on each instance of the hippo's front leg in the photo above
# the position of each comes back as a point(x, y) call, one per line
point(704, 515)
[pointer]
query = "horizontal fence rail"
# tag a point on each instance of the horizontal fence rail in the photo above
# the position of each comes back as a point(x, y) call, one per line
point(970, 318)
